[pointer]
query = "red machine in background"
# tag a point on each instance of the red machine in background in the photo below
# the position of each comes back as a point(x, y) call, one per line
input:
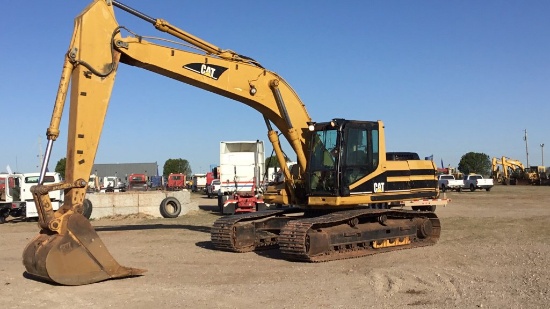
point(176, 182)
point(137, 182)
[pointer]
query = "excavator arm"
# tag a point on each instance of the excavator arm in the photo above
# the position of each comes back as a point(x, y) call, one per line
point(509, 166)
point(96, 49)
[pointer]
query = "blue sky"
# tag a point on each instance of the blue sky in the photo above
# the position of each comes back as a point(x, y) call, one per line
point(446, 77)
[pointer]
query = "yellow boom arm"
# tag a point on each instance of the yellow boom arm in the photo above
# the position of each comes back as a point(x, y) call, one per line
point(96, 49)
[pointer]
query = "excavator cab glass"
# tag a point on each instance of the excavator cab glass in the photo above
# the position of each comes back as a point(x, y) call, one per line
point(341, 155)
point(361, 153)
point(324, 161)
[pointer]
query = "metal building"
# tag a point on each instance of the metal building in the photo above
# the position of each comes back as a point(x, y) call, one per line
point(122, 170)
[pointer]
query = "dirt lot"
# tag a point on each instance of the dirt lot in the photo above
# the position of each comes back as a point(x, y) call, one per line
point(494, 252)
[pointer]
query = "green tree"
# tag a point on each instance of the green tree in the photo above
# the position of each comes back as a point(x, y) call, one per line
point(177, 166)
point(475, 162)
point(60, 167)
point(273, 162)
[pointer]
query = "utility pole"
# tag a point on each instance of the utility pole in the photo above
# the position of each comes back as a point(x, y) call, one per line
point(526, 149)
point(40, 154)
point(542, 153)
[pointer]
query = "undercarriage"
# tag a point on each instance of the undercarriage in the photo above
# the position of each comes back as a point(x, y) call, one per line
point(312, 237)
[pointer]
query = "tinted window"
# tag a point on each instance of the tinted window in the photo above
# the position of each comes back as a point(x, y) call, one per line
point(34, 179)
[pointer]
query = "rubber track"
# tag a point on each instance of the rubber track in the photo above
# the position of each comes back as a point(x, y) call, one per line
point(292, 239)
point(222, 235)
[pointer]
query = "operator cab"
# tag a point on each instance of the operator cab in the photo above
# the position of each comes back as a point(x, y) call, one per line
point(341, 152)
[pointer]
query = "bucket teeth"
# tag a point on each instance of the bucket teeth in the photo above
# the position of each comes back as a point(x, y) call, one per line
point(75, 257)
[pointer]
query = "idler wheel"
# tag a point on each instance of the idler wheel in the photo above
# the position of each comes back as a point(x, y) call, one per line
point(353, 222)
point(425, 228)
point(382, 219)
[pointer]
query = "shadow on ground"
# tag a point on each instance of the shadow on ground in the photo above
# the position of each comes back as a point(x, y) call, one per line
point(139, 227)
point(272, 253)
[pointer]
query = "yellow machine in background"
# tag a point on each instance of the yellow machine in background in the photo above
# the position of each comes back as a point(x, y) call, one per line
point(537, 175)
point(515, 173)
point(336, 205)
point(455, 172)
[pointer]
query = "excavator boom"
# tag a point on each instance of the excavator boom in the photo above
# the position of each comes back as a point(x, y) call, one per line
point(512, 170)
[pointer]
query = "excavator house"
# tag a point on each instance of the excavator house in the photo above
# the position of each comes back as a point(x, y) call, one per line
point(334, 204)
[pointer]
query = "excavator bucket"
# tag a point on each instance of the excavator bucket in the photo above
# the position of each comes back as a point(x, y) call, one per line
point(76, 257)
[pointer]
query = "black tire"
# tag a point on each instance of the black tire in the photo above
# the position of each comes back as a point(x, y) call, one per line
point(170, 207)
point(459, 189)
point(488, 189)
point(2, 219)
point(87, 208)
point(443, 189)
point(472, 188)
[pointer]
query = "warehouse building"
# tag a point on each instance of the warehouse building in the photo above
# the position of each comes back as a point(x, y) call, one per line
point(122, 170)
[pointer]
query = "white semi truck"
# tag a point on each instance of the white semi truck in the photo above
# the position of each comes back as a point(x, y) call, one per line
point(16, 198)
point(112, 184)
point(199, 183)
point(242, 166)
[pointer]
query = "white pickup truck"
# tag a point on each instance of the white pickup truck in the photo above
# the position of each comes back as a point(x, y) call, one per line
point(476, 181)
point(448, 182)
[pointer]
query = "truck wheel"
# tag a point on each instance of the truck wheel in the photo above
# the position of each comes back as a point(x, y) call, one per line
point(459, 189)
point(170, 207)
point(472, 188)
point(87, 208)
point(443, 189)
point(488, 189)
point(2, 219)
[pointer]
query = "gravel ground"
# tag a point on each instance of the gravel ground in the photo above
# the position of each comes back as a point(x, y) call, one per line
point(493, 253)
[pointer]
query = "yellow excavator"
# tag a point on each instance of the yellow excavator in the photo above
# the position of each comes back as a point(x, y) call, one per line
point(335, 204)
point(512, 172)
point(515, 173)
